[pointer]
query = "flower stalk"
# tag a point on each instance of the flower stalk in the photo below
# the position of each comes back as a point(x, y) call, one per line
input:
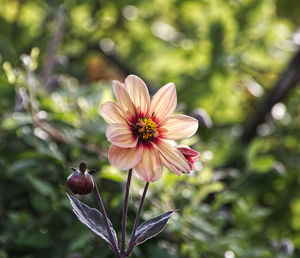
point(136, 221)
point(125, 208)
point(102, 210)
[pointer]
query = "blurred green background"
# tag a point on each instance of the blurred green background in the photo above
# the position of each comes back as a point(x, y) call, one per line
point(57, 62)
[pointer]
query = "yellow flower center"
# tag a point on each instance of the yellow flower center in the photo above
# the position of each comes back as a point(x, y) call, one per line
point(146, 129)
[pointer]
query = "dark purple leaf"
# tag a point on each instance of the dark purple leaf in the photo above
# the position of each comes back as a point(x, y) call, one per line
point(152, 227)
point(92, 218)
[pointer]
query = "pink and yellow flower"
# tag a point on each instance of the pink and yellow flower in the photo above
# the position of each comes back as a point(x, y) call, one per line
point(139, 129)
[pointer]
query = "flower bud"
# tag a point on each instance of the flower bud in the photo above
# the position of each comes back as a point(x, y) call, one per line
point(190, 155)
point(80, 181)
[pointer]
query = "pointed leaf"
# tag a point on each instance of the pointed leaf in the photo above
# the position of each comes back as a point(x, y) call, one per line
point(93, 219)
point(152, 227)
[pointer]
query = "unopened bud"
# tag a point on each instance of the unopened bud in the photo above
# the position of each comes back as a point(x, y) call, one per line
point(82, 167)
point(80, 181)
point(190, 155)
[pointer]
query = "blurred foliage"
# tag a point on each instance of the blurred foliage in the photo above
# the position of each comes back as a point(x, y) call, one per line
point(222, 55)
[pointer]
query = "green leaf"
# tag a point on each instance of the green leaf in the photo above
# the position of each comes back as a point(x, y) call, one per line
point(42, 186)
point(263, 164)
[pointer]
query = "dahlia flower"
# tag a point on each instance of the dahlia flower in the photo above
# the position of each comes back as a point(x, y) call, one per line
point(139, 129)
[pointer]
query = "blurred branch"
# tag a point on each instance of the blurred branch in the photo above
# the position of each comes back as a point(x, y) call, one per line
point(121, 65)
point(33, 108)
point(288, 80)
point(15, 30)
point(57, 135)
point(51, 50)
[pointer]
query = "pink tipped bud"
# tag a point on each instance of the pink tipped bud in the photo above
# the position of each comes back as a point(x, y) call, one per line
point(82, 167)
point(80, 181)
point(190, 155)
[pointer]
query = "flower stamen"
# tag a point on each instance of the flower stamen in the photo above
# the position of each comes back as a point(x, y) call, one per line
point(146, 129)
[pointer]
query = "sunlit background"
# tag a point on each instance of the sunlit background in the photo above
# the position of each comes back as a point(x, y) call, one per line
point(236, 67)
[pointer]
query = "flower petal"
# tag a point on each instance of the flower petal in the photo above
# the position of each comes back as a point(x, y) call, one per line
point(179, 127)
point(124, 158)
point(111, 113)
point(139, 94)
point(150, 167)
point(163, 102)
point(124, 101)
point(190, 155)
point(121, 135)
point(188, 152)
point(172, 158)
